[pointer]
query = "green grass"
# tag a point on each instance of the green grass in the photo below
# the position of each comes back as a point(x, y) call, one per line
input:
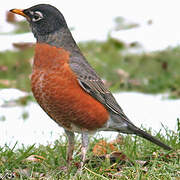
point(156, 72)
point(15, 69)
point(159, 164)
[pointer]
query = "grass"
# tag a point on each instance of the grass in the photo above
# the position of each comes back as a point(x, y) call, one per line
point(15, 69)
point(141, 160)
point(156, 72)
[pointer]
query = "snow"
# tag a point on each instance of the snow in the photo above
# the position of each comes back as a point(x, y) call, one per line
point(142, 109)
point(93, 20)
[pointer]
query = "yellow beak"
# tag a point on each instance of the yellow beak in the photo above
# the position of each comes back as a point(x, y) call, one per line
point(19, 11)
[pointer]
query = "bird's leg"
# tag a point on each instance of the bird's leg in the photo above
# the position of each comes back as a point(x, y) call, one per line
point(70, 149)
point(84, 148)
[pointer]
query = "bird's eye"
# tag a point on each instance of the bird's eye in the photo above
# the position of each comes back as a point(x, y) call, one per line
point(37, 16)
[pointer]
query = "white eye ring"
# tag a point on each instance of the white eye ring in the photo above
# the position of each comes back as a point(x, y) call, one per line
point(37, 16)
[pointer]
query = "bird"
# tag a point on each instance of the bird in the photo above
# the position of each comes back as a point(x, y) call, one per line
point(67, 88)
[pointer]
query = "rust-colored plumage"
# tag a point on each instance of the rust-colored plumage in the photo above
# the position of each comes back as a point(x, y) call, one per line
point(54, 85)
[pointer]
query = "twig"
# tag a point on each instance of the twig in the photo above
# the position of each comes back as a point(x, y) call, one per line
point(95, 173)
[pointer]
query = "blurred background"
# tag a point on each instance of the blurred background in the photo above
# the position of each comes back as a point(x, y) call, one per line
point(133, 45)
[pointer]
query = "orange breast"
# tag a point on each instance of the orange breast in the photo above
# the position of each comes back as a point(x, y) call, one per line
point(58, 92)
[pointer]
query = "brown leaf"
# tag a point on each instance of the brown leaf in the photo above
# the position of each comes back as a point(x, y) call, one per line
point(5, 82)
point(102, 147)
point(120, 156)
point(3, 68)
point(35, 158)
point(23, 45)
point(164, 65)
point(122, 73)
point(10, 17)
point(134, 82)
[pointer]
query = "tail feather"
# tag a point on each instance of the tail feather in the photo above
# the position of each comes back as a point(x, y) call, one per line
point(147, 136)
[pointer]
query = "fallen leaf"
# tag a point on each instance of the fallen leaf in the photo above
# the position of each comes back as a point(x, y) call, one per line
point(10, 17)
point(23, 45)
point(118, 156)
point(3, 68)
point(122, 73)
point(35, 158)
point(5, 82)
point(134, 82)
point(102, 147)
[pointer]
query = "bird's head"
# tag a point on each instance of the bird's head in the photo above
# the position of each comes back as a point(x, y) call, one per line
point(44, 19)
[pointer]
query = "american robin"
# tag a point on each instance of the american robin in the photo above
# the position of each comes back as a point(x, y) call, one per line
point(67, 87)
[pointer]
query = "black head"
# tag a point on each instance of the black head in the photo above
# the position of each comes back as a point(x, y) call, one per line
point(43, 18)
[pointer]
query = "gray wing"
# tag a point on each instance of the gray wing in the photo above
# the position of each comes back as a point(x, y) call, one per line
point(92, 84)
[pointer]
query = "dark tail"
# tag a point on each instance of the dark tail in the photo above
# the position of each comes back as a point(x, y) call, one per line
point(147, 136)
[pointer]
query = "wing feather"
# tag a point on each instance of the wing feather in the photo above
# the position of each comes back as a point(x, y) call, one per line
point(92, 84)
